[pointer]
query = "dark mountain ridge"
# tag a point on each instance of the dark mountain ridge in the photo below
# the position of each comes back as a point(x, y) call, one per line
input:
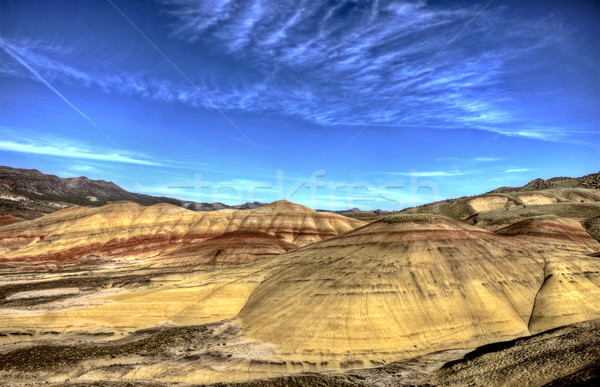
point(29, 193)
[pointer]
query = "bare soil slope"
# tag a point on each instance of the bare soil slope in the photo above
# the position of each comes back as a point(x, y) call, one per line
point(231, 248)
point(566, 356)
point(403, 285)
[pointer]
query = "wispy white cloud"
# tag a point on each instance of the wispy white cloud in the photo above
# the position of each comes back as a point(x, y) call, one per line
point(45, 63)
point(67, 149)
point(427, 173)
point(517, 170)
point(82, 168)
point(355, 57)
point(471, 160)
point(351, 57)
point(486, 159)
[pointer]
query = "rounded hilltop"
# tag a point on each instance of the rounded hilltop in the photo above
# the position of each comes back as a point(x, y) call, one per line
point(551, 232)
point(284, 207)
point(414, 285)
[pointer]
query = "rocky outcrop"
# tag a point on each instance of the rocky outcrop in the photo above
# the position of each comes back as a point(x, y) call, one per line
point(591, 181)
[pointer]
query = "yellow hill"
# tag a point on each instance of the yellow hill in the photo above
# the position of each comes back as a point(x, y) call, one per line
point(404, 285)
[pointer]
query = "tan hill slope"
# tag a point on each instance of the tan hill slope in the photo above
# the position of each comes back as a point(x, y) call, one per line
point(571, 288)
point(230, 248)
point(125, 230)
point(552, 233)
point(499, 218)
point(563, 196)
point(563, 357)
point(404, 285)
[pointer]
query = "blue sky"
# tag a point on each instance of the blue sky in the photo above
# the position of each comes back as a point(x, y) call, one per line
point(328, 104)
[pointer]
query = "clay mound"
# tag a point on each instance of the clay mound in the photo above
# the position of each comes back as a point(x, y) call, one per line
point(489, 202)
point(584, 195)
point(552, 232)
point(407, 287)
point(494, 220)
point(5, 220)
point(494, 202)
point(231, 248)
point(397, 288)
point(284, 207)
point(293, 223)
point(121, 229)
point(571, 288)
point(535, 199)
point(570, 292)
point(125, 230)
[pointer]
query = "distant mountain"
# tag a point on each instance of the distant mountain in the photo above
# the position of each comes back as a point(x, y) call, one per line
point(591, 181)
point(29, 193)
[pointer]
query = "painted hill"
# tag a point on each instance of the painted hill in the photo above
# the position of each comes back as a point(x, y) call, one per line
point(5, 220)
point(402, 285)
point(29, 193)
point(128, 231)
point(561, 357)
point(562, 196)
point(552, 233)
point(571, 288)
point(230, 248)
point(394, 289)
